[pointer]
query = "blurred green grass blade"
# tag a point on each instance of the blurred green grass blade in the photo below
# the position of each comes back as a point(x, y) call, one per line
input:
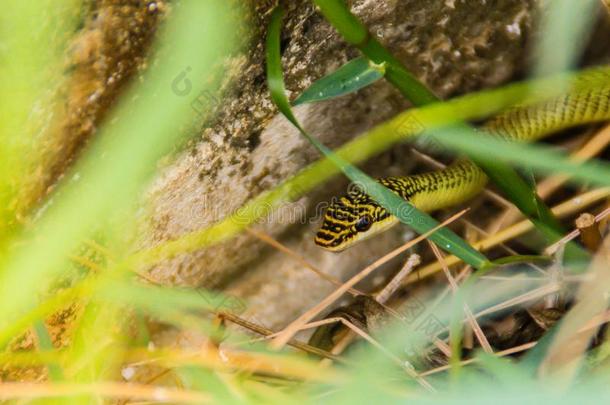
point(353, 76)
point(473, 106)
point(161, 300)
point(404, 211)
point(46, 345)
point(33, 39)
point(208, 381)
point(506, 178)
point(541, 159)
point(147, 123)
point(515, 259)
point(142, 335)
point(567, 23)
point(456, 334)
point(46, 308)
point(505, 372)
point(94, 359)
point(564, 22)
point(536, 355)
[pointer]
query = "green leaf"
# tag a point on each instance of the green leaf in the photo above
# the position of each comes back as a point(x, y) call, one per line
point(351, 77)
point(398, 207)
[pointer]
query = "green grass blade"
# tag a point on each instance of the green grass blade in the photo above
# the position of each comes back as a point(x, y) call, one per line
point(351, 77)
point(541, 159)
point(147, 123)
point(34, 36)
point(161, 300)
point(46, 345)
point(404, 211)
point(535, 357)
point(208, 381)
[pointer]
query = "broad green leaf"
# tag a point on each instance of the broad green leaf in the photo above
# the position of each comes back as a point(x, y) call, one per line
point(352, 76)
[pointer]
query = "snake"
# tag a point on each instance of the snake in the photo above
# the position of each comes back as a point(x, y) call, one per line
point(356, 216)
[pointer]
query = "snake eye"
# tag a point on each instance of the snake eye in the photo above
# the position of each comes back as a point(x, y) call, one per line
point(364, 223)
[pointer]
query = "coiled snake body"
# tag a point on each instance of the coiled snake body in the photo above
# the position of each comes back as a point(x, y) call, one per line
point(356, 216)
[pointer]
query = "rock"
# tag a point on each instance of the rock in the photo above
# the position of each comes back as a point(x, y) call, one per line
point(453, 46)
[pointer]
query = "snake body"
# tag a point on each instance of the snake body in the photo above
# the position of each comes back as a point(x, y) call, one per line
point(356, 216)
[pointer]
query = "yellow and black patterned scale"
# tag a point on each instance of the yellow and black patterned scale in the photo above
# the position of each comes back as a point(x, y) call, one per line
point(356, 216)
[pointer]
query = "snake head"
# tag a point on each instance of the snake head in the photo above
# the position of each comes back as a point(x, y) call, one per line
point(351, 219)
